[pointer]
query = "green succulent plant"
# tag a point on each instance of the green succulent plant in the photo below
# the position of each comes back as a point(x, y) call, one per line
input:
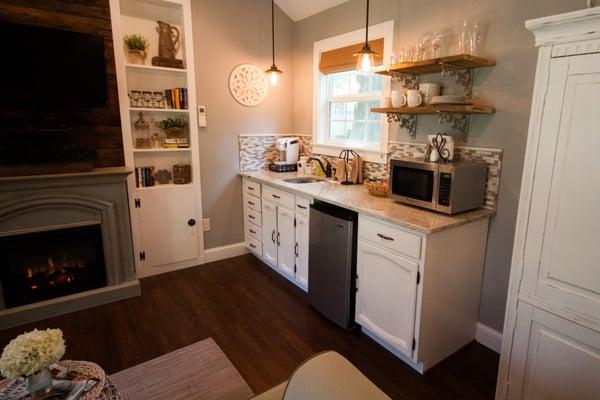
point(136, 42)
point(173, 122)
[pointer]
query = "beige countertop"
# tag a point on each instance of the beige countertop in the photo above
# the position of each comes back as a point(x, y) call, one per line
point(357, 198)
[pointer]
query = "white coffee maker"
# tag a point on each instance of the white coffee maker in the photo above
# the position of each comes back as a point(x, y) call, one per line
point(288, 149)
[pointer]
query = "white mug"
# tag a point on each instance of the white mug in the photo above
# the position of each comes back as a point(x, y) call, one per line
point(428, 91)
point(414, 98)
point(398, 99)
point(386, 102)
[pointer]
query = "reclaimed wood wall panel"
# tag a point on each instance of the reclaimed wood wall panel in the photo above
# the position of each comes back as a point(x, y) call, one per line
point(99, 127)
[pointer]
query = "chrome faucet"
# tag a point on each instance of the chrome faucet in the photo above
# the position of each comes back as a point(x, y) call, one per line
point(326, 169)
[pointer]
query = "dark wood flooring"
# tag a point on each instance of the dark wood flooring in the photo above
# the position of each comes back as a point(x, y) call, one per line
point(264, 325)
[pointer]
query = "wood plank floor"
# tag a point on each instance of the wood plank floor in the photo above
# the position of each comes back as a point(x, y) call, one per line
point(264, 325)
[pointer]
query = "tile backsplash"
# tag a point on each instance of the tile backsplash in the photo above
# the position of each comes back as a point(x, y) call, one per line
point(257, 152)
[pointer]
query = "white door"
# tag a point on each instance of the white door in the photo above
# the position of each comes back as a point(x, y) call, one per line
point(168, 225)
point(286, 242)
point(386, 296)
point(553, 358)
point(562, 250)
point(302, 251)
point(269, 232)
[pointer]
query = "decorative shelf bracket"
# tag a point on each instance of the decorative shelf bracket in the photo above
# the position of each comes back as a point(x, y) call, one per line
point(406, 80)
point(406, 121)
point(460, 122)
point(463, 77)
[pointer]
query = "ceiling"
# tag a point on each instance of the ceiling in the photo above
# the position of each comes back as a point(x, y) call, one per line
point(300, 9)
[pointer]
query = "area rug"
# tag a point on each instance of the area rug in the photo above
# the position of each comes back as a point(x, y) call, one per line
point(199, 371)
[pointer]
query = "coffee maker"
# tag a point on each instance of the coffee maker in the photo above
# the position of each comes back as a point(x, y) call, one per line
point(287, 155)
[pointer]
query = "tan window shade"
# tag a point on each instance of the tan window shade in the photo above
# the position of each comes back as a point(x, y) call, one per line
point(342, 59)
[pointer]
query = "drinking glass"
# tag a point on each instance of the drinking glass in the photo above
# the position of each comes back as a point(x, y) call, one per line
point(424, 45)
point(436, 43)
point(474, 38)
point(463, 37)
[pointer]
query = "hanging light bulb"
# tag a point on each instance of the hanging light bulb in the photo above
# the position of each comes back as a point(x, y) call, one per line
point(273, 73)
point(366, 56)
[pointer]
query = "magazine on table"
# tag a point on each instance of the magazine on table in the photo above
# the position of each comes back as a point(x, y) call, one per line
point(66, 385)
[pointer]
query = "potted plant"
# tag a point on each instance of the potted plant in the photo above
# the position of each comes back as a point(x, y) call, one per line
point(137, 47)
point(174, 127)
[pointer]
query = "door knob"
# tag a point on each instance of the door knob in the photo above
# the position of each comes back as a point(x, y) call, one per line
point(191, 222)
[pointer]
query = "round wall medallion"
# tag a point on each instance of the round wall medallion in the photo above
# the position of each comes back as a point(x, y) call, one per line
point(248, 85)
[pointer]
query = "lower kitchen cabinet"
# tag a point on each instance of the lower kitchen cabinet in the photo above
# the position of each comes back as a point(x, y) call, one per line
point(269, 232)
point(386, 295)
point(301, 251)
point(286, 243)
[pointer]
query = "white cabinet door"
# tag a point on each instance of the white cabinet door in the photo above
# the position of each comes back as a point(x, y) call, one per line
point(302, 251)
point(386, 297)
point(269, 232)
point(167, 233)
point(562, 252)
point(553, 358)
point(286, 241)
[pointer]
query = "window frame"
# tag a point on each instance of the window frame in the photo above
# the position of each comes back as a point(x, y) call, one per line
point(321, 101)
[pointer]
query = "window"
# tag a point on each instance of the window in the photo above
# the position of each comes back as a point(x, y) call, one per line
point(343, 97)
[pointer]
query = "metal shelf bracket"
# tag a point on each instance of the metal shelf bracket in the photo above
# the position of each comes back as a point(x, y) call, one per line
point(460, 122)
point(462, 76)
point(406, 121)
point(407, 81)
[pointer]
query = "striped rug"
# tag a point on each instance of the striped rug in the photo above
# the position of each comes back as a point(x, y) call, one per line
point(199, 371)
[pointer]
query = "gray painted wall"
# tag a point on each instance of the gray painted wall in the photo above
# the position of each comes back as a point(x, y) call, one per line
point(508, 87)
point(228, 33)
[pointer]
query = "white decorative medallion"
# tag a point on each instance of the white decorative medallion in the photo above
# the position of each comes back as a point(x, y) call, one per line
point(248, 85)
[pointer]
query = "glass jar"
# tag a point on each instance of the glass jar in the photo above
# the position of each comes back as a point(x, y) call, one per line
point(141, 131)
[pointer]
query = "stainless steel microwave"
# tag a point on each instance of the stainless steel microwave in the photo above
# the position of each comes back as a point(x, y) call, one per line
point(450, 188)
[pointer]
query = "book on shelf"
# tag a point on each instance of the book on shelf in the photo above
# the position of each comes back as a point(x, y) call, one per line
point(176, 146)
point(144, 177)
point(176, 141)
point(177, 98)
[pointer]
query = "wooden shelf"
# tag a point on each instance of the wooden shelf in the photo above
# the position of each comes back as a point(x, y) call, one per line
point(438, 108)
point(161, 150)
point(434, 65)
point(154, 68)
point(158, 186)
point(164, 110)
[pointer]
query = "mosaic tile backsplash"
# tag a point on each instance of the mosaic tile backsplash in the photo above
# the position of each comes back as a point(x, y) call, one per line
point(257, 152)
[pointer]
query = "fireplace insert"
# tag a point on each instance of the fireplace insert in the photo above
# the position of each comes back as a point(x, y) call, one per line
point(44, 265)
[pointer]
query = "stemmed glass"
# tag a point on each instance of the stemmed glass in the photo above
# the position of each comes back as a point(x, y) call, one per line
point(436, 43)
point(424, 45)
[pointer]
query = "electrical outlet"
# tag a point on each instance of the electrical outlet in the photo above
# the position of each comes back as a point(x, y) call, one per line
point(206, 224)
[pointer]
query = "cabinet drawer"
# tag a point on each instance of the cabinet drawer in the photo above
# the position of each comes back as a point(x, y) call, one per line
point(252, 202)
point(279, 197)
point(390, 237)
point(254, 245)
point(302, 205)
point(253, 216)
point(251, 187)
point(254, 231)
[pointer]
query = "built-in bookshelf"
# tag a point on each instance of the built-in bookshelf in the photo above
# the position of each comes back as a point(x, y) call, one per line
point(163, 216)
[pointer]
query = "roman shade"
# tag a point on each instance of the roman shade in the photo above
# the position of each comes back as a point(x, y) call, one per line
point(342, 59)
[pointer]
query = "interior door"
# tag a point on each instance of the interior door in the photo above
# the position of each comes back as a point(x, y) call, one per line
point(562, 252)
point(168, 226)
point(302, 251)
point(286, 241)
point(269, 232)
point(386, 296)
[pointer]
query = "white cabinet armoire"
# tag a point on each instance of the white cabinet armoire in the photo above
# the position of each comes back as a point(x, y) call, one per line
point(551, 340)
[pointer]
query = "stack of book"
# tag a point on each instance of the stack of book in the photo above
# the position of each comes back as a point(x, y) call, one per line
point(144, 177)
point(177, 98)
point(180, 143)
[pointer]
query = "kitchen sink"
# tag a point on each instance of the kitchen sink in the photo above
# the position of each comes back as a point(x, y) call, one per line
point(304, 179)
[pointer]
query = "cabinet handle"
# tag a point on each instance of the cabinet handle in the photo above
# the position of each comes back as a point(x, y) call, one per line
point(278, 237)
point(253, 246)
point(302, 207)
point(191, 222)
point(249, 188)
point(251, 203)
point(276, 196)
point(252, 231)
point(273, 236)
point(251, 216)
point(384, 237)
point(296, 249)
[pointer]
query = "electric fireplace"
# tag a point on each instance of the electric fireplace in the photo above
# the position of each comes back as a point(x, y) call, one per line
point(49, 264)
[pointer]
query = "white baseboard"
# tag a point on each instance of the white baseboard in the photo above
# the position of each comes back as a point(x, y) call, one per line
point(490, 338)
point(223, 252)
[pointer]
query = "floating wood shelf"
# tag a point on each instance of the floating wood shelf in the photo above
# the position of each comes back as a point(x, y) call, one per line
point(434, 65)
point(437, 109)
point(164, 110)
point(155, 68)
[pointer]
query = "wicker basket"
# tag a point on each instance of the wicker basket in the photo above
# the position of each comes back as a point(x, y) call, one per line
point(377, 187)
point(182, 174)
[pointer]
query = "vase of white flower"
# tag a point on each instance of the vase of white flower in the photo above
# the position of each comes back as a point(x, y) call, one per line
point(30, 354)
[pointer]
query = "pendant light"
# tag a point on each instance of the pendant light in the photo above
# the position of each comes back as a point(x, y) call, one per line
point(366, 56)
point(273, 72)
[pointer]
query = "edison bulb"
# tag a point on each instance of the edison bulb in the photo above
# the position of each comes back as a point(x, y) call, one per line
point(365, 62)
point(274, 78)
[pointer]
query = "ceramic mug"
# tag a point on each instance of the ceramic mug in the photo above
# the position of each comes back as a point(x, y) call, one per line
point(414, 98)
point(386, 102)
point(428, 91)
point(398, 99)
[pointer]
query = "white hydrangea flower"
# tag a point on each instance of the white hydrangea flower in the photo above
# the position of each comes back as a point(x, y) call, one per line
point(32, 351)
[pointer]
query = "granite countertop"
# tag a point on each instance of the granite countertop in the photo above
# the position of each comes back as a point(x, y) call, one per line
point(357, 198)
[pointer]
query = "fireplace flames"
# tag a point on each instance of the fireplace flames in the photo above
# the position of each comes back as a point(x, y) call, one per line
point(54, 272)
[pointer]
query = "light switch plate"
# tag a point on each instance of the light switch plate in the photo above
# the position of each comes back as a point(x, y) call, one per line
point(201, 116)
point(206, 224)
